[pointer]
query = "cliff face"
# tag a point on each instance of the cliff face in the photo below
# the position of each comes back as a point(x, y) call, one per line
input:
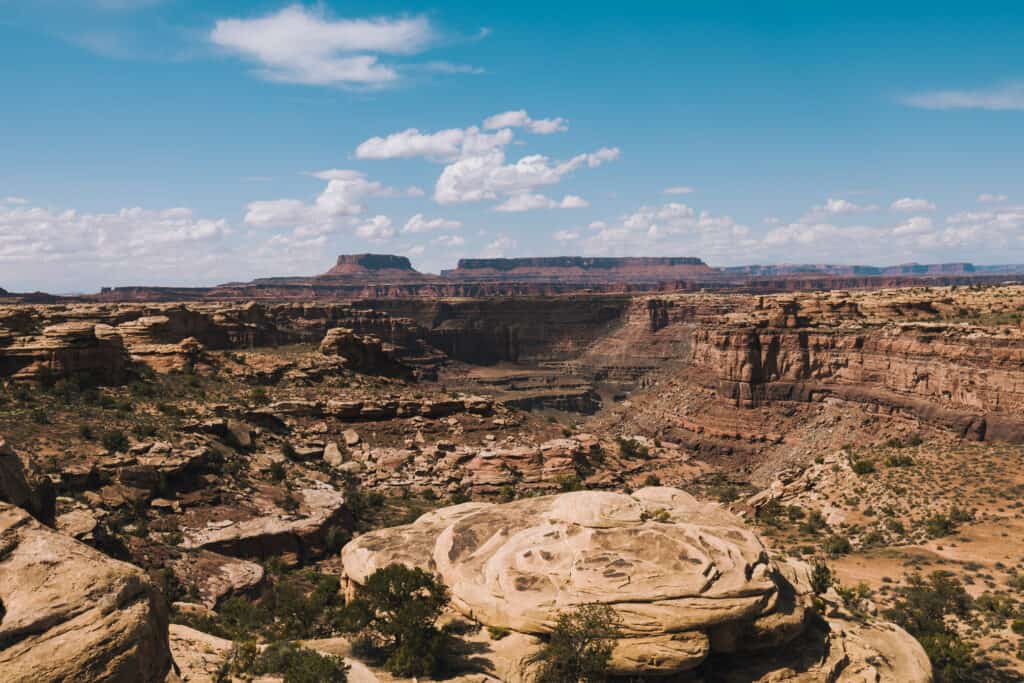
point(957, 375)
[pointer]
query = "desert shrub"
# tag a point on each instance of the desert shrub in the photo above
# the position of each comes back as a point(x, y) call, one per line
point(821, 577)
point(580, 646)
point(899, 460)
point(259, 396)
point(499, 632)
point(40, 416)
point(278, 471)
point(288, 450)
point(85, 432)
point(630, 448)
point(294, 663)
point(115, 441)
point(652, 480)
point(306, 605)
point(814, 523)
point(396, 612)
point(939, 525)
point(922, 608)
point(836, 545)
point(569, 483)
point(862, 467)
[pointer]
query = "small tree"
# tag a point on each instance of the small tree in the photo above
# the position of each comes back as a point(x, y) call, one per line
point(580, 646)
point(397, 611)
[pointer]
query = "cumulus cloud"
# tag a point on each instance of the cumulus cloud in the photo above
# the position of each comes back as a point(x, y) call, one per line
point(444, 145)
point(377, 229)
point(990, 198)
point(344, 196)
point(521, 119)
point(499, 247)
point(910, 205)
point(15, 200)
point(419, 223)
point(565, 236)
point(671, 228)
point(918, 225)
point(488, 176)
point(37, 241)
point(476, 165)
point(301, 45)
point(529, 201)
point(449, 241)
point(679, 189)
point(836, 207)
point(1005, 97)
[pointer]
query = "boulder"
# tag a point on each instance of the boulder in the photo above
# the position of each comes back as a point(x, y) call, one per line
point(72, 613)
point(686, 578)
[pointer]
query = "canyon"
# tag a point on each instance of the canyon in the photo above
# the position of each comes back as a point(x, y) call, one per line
point(201, 449)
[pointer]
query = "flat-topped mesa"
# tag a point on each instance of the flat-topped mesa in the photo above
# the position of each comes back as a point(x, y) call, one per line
point(582, 269)
point(806, 270)
point(373, 268)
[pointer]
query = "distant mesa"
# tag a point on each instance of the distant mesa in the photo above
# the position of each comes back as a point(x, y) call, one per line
point(373, 268)
point(583, 270)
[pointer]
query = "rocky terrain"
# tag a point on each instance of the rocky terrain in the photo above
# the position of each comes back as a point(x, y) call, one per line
point(756, 485)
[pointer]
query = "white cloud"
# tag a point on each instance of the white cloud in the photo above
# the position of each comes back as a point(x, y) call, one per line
point(300, 45)
point(444, 145)
point(343, 196)
point(914, 226)
point(990, 198)
point(679, 189)
point(15, 200)
point(564, 236)
point(836, 207)
point(521, 119)
point(377, 229)
point(487, 176)
point(672, 228)
point(529, 202)
point(449, 241)
point(499, 247)
point(56, 245)
point(1005, 97)
point(419, 223)
point(910, 205)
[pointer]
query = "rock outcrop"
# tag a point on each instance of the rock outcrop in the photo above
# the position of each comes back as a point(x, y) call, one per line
point(65, 349)
point(364, 353)
point(72, 614)
point(686, 578)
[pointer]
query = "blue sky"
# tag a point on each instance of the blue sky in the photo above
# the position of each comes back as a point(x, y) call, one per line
point(173, 142)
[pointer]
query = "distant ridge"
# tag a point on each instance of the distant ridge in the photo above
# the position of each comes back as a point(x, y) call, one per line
point(582, 269)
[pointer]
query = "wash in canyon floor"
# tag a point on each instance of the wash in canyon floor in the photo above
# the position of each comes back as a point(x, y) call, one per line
point(165, 467)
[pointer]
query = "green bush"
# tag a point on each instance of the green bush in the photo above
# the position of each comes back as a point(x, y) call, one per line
point(837, 545)
point(115, 441)
point(396, 611)
point(863, 467)
point(580, 646)
point(899, 460)
point(922, 608)
point(631, 449)
point(299, 665)
point(652, 480)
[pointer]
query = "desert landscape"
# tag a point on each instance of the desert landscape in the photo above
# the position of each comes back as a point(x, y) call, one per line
point(404, 341)
point(710, 477)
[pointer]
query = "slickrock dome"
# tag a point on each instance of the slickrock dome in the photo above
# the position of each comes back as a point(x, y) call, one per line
point(686, 577)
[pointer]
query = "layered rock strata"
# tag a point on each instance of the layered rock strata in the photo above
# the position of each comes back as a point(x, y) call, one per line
point(687, 579)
